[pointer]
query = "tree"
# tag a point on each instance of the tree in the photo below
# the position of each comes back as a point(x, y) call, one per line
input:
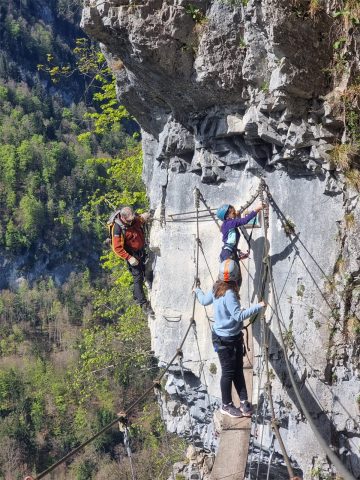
point(32, 216)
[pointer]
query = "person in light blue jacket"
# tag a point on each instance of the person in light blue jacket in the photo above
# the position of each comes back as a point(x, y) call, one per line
point(227, 335)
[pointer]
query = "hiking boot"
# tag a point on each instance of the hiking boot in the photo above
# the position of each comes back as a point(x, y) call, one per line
point(246, 408)
point(147, 310)
point(231, 410)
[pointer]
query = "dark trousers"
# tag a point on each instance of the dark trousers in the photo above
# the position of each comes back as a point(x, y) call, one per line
point(231, 354)
point(139, 273)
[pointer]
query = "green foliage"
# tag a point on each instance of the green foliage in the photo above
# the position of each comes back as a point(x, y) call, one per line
point(101, 343)
point(91, 63)
point(25, 37)
point(195, 13)
point(84, 345)
point(242, 44)
point(350, 13)
point(122, 185)
point(265, 87)
point(289, 339)
point(149, 435)
point(116, 349)
point(339, 43)
point(32, 215)
point(289, 227)
point(44, 182)
point(84, 470)
point(11, 389)
point(212, 368)
point(110, 111)
point(300, 290)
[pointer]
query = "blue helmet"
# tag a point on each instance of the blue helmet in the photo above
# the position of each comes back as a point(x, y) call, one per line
point(222, 211)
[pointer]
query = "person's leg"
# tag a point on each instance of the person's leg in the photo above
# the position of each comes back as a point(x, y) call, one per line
point(148, 263)
point(239, 379)
point(227, 359)
point(236, 259)
point(227, 362)
point(137, 273)
point(225, 254)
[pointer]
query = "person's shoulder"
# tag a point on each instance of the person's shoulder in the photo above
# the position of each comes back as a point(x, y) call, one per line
point(138, 220)
point(225, 225)
point(117, 229)
point(230, 294)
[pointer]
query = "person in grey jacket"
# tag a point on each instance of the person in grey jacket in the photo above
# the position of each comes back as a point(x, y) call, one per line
point(227, 335)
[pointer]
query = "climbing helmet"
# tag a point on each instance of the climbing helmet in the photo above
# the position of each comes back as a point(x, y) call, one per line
point(229, 271)
point(222, 211)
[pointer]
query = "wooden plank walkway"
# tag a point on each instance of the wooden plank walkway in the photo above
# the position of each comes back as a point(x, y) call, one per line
point(231, 457)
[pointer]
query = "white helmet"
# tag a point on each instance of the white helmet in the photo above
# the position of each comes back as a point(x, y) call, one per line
point(229, 271)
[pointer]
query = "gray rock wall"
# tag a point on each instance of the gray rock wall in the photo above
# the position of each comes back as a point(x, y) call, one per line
point(239, 93)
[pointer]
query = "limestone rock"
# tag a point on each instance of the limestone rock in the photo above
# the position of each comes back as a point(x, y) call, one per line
point(232, 95)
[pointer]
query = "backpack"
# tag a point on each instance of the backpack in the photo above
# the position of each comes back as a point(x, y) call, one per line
point(110, 226)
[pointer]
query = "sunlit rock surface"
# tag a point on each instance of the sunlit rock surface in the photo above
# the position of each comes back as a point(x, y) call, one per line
point(227, 94)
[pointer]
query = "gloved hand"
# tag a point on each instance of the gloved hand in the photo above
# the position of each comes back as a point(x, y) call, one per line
point(259, 207)
point(145, 216)
point(133, 261)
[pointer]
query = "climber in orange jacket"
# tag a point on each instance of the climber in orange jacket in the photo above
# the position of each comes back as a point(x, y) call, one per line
point(128, 242)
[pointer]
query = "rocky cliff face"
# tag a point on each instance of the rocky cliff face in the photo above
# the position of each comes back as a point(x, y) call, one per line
point(227, 93)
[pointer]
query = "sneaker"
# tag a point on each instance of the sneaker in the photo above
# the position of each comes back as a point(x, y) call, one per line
point(246, 408)
point(147, 310)
point(231, 410)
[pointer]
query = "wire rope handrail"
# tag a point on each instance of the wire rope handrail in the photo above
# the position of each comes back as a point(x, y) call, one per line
point(158, 389)
point(334, 459)
point(116, 420)
point(268, 385)
point(327, 450)
point(259, 192)
point(147, 391)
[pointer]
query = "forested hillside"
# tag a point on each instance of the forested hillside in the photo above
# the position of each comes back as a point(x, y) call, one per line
point(74, 349)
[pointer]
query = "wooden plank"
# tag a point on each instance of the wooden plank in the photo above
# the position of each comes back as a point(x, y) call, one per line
point(231, 457)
